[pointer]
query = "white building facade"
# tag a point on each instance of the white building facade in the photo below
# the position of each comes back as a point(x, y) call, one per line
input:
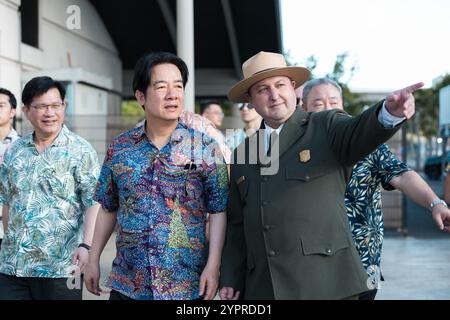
point(67, 41)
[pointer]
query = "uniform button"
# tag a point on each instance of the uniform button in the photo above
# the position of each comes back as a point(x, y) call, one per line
point(307, 178)
point(328, 251)
point(265, 203)
point(267, 228)
point(265, 179)
point(271, 253)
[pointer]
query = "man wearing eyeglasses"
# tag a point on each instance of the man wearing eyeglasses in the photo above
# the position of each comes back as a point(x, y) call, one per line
point(47, 184)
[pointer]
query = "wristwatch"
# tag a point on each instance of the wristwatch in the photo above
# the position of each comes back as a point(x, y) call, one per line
point(436, 202)
point(84, 245)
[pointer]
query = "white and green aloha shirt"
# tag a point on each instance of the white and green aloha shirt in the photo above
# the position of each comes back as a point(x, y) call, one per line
point(48, 195)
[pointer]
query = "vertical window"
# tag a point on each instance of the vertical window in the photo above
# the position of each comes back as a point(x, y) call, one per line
point(30, 22)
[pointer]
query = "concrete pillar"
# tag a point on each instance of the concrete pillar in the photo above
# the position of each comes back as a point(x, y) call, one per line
point(185, 47)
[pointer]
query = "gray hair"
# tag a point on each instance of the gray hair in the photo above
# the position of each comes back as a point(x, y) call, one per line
point(308, 86)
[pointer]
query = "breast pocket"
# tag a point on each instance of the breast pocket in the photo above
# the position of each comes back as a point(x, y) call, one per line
point(307, 174)
point(175, 181)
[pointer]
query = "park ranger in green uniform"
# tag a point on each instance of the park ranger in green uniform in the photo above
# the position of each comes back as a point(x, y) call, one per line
point(287, 231)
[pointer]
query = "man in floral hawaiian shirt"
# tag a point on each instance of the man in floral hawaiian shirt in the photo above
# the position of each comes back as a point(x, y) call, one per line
point(8, 135)
point(363, 195)
point(157, 183)
point(47, 184)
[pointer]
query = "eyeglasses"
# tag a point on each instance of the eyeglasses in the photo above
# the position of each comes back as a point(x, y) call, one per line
point(43, 107)
point(248, 105)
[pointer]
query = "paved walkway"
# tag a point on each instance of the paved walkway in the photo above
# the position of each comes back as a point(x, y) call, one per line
point(415, 268)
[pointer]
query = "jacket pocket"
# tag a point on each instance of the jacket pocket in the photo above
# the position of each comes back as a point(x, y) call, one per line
point(326, 248)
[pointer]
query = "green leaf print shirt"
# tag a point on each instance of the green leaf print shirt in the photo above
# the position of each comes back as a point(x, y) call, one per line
point(48, 195)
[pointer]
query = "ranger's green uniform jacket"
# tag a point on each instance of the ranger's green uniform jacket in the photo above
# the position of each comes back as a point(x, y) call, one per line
point(287, 235)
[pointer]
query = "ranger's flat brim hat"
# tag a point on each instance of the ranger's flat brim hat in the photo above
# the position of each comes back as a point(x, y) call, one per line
point(261, 66)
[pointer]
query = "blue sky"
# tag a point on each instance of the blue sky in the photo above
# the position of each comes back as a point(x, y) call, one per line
point(393, 43)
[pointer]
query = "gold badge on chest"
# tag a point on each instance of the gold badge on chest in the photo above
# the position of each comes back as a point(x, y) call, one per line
point(305, 156)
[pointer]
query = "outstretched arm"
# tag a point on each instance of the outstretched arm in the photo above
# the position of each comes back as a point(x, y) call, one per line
point(401, 103)
point(413, 186)
point(351, 139)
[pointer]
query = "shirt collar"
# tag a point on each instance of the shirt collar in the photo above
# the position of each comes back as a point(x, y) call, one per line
point(61, 140)
point(269, 129)
point(141, 133)
point(12, 135)
point(63, 137)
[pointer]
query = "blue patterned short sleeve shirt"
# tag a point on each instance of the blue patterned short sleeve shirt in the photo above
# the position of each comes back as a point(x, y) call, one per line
point(161, 198)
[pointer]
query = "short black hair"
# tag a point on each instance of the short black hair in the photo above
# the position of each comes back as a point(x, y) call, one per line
point(143, 68)
point(38, 86)
point(205, 105)
point(12, 98)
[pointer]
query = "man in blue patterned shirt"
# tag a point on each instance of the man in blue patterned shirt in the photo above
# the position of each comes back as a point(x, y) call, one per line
point(158, 182)
point(48, 179)
point(363, 194)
